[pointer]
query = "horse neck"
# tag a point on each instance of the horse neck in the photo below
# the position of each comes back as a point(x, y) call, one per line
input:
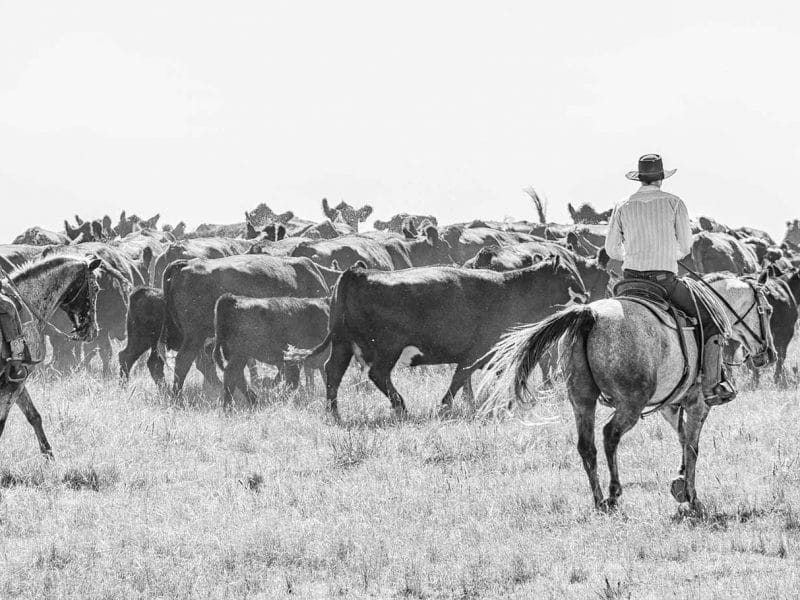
point(42, 289)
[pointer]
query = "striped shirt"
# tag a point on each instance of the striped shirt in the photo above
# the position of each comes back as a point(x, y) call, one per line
point(649, 231)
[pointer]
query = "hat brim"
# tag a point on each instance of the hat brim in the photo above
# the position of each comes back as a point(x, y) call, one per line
point(634, 175)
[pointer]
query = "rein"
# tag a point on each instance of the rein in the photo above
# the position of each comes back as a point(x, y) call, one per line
point(36, 315)
point(761, 339)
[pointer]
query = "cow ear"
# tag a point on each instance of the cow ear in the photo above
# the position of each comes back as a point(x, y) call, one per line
point(78, 220)
point(360, 264)
point(432, 234)
point(364, 212)
point(326, 210)
point(335, 265)
point(603, 258)
point(94, 264)
point(763, 276)
point(281, 233)
point(251, 231)
point(122, 216)
point(537, 258)
point(407, 234)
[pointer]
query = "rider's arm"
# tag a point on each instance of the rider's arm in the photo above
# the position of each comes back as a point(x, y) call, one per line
point(615, 239)
point(683, 230)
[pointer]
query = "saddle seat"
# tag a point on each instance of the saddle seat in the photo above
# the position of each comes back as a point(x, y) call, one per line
point(654, 297)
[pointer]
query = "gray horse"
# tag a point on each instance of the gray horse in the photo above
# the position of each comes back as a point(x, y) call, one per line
point(621, 350)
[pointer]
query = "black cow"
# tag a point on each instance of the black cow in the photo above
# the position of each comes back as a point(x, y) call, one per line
point(465, 241)
point(439, 314)
point(592, 270)
point(192, 287)
point(186, 249)
point(143, 326)
point(262, 329)
point(781, 297)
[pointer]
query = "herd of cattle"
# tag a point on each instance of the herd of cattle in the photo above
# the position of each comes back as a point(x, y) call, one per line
point(410, 292)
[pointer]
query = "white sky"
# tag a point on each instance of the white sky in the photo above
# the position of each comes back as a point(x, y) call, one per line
point(200, 110)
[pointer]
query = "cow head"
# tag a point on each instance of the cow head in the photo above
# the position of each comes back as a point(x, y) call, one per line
point(349, 214)
point(439, 249)
point(587, 215)
point(274, 231)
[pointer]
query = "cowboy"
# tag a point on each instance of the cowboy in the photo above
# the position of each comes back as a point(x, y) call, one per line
point(650, 232)
point(11, 333)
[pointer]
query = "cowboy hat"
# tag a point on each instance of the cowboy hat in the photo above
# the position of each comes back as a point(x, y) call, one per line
point(650, 169)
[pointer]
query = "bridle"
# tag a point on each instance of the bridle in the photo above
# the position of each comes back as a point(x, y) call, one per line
point(89, 287)
point(766, 353)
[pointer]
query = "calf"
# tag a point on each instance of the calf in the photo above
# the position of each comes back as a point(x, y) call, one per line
point(263, 329)
point(441, 314)
point(143, 326)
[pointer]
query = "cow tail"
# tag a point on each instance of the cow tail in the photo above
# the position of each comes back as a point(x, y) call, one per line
point(223, 315)
point(514, 357)
point(171, 333)
point(336, 321)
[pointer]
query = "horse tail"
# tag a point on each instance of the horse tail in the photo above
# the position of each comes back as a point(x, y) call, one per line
point(514, 357)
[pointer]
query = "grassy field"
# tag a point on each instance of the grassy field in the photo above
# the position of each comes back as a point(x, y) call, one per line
point(149, 498)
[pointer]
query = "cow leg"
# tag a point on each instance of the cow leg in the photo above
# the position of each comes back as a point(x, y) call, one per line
point(233, 379)
point(130, 354)
point(208, 368)
point(156, 366)
point(35, 419)
point(381, 375)
point(183, 362)
point(291, 373)
point(104, 350)
point(335, 368)
point(460, 378)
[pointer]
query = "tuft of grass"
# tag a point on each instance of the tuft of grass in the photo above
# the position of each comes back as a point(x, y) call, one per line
point(354, 446)
point(253, 482)
point(614, 592)
point(87, 477)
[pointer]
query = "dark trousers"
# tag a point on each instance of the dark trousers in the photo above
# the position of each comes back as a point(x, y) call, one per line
point(10, 325)
point(678, 293)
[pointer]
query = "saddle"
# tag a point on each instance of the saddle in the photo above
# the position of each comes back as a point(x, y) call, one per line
point(655, 298)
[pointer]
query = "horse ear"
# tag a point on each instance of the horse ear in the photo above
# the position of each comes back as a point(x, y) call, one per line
point(363, 212)
point(360, 264)
point(556, 261)
point(326, 209)
point(78, 220)
point(763, 276)
point(251, 231)
point(94, 264)
point(537, 258)
point(335, 265)
point(281, 233)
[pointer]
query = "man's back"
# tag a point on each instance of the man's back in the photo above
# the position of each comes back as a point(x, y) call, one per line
point(653, 226)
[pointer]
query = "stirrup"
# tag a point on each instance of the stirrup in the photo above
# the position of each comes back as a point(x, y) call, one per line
point(723, 393)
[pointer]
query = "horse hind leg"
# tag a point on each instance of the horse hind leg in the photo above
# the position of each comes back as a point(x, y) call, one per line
point(625, 416)
point(583, 393)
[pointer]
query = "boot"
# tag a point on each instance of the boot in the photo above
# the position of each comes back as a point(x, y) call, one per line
point(17, 370)
point(716, 389)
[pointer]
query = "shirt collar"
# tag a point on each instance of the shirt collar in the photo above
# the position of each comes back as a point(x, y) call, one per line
point(649, 188)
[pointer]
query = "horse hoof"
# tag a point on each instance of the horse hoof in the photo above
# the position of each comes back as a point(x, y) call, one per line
point(678, 490)
point(609, 505)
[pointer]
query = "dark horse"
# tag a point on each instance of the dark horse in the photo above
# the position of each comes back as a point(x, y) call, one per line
point(621, 350)
point(44, 285)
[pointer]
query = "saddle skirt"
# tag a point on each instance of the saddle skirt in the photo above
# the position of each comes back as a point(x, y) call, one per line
point(654, 297)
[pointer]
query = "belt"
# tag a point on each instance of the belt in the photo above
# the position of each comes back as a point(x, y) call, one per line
point(657, 276)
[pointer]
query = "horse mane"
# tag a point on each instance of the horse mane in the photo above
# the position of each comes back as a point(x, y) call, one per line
point(719, 276)
point(36, 266)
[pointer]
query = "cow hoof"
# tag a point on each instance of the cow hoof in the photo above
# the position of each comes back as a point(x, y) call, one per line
point(678, 490)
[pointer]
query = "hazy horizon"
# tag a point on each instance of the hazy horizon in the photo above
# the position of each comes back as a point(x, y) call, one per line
point(199, 111)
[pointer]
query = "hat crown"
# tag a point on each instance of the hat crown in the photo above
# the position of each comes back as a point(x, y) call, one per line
point(651, 163)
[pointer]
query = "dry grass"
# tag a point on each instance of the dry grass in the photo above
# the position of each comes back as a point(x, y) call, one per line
point(151, 497)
